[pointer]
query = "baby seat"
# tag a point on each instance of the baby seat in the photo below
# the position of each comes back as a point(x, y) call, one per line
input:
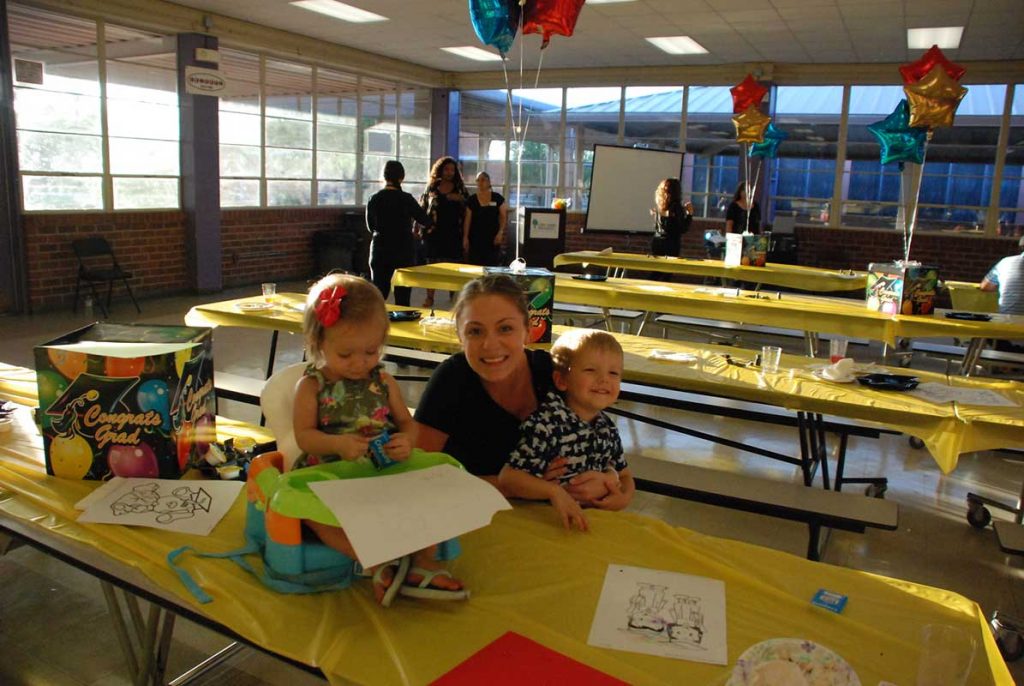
point(277, 502)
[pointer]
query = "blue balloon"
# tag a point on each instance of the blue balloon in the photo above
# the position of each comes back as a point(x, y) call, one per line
point(153, 396)
point(769, 147)
point(495, 22)
point(899, 140)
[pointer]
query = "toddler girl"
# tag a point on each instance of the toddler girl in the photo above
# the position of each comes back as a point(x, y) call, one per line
point(344, 401)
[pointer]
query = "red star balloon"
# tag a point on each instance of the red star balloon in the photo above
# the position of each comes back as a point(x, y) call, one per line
point(750, 125)
point(747, 93)
point(916, 70)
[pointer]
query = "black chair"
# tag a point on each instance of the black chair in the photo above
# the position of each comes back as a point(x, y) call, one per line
point(96, 265)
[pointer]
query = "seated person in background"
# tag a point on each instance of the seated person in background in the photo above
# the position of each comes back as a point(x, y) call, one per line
point(1007, 276)
point(588, 369)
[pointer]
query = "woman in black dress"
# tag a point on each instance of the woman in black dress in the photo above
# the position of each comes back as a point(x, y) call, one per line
point(483, 233)
point(389, 217)
point(445, 201)
point(742, 216)
point(671, 218)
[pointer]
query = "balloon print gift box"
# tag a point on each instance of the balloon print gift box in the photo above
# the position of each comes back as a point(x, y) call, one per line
point(125, 400)
point(539, 286)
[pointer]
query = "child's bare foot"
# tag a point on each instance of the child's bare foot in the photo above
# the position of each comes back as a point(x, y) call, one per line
point(427, 578)
point(387, 578)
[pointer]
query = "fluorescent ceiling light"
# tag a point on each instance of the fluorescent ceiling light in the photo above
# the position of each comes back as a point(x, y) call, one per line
point(678, 45)
point(943, 36)
point(339, 10)
point(606, 2)
point(474, 53)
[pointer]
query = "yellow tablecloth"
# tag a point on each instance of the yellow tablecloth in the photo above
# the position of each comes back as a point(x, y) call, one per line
point(527, 575)
point(946, 430)
point(786, 275)
point(793, 311)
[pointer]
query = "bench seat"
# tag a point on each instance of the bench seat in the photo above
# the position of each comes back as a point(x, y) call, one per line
point(796, 502)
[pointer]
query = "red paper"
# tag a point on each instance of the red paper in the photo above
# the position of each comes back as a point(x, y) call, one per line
point(513, 660)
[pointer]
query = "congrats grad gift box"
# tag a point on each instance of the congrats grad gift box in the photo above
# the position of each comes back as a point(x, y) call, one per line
point(746, 249)
point(539, 285)
point(125, 400)
point(896, 288)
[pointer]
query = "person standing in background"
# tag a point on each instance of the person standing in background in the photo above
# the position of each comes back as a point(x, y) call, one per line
point(743, 216)
point(672, 218)
point(445, 201)
point(483, 234)
point(389, 216)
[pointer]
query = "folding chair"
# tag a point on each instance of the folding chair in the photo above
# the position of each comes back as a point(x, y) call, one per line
point(97, 264)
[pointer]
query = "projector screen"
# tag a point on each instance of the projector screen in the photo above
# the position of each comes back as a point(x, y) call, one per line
point(622, 185)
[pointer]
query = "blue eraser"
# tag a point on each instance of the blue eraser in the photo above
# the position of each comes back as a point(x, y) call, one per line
point(830, 600)
point(379, 458)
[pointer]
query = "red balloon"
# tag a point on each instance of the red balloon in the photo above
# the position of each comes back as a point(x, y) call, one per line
point(549, 17)
point(918, 69)
point(747, 93)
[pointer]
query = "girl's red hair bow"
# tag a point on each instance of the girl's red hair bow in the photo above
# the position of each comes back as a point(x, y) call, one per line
point(328, 305)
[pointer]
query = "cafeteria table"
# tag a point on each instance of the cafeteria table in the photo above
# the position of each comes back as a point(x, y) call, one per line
point(947, 430)
point(527, 575)
point(792, 276)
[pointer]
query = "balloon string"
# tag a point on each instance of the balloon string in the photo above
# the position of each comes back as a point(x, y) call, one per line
point(746, 184)
point(917, 201)
point(753, 192)
point(536, 82)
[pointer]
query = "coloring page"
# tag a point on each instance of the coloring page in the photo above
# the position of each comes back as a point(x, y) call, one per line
point(191, 507)
point(661, 613)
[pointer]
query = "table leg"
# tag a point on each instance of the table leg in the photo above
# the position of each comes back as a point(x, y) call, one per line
point(971, 356)
point(811, 341)
point(120, 628)
point(643, 322)
point(273, 353)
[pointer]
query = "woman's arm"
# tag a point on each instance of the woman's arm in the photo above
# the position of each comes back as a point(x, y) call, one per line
point(516, 483)
point(310, 438)
point(499, 239)
point(401, 443)
point(465, 229)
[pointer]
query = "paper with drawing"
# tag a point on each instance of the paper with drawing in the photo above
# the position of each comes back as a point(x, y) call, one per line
point(661, 613)
point(389, 516)
point(191, 507)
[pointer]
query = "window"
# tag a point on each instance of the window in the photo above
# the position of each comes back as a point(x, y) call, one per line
point(482, 137)
point(591, 117)
point(1011, 191)
point(712, 154)
point(805, 170)
point(241, 137)
point(64, 160)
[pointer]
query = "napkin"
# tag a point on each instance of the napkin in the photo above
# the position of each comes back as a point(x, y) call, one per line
point(840, 371)
point(606, 251)
point(688, 358)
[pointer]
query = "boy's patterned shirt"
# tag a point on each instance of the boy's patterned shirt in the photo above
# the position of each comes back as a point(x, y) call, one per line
point(554, 430)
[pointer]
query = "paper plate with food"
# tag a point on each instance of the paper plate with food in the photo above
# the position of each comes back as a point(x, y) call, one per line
point(791, 662)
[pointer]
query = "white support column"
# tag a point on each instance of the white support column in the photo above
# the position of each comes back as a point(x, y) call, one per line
point(992, 216)
point(835, 214)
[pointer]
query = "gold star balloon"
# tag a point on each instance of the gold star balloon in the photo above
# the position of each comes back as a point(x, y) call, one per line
point(750, 125)
point(934, 99)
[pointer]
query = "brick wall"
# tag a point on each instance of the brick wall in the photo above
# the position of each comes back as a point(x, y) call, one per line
point(258, 245)
point(276, 245)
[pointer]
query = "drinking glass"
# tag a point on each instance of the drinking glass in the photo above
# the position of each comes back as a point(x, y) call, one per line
point(837, 349)
point(946, 656)
point(770, 356)
point(269, 291)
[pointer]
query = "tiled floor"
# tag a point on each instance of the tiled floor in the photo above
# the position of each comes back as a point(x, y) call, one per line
point(53, 623)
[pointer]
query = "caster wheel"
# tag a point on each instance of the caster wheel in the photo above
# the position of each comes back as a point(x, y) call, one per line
point(978, 516)
point(916, 443)
point(875, 491)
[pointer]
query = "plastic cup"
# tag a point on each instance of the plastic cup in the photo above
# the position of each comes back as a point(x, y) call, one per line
point(269, 291)
point(837, 349)
point(947, 653)
point(770, 356)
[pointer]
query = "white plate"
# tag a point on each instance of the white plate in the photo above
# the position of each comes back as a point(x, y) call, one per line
point(820, 373)
point(818, 665)
point(255, 307)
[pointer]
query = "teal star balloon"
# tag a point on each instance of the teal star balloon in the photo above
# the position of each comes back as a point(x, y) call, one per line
point(900, 142)
point(769, 147)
